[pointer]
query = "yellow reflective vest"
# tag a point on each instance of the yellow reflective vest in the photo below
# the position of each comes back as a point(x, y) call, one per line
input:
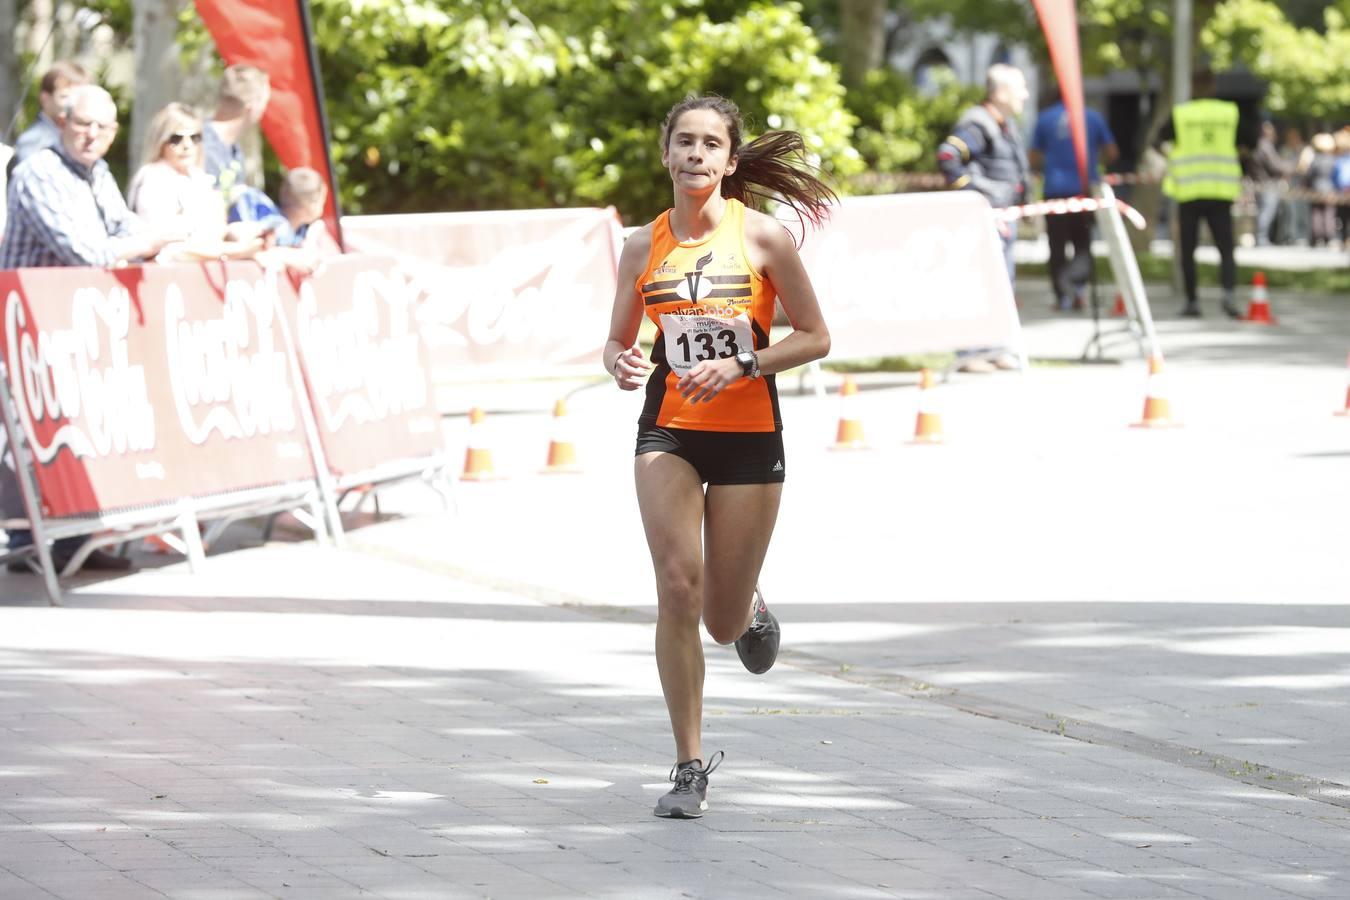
point(1204, 161)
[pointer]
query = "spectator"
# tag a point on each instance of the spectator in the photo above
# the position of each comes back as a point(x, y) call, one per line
point(244, 92)
point(1340, 180)
point(984, 153)
point(1269, 169)
point(1052, 150)
point(56, 85)
point(1294, 212)
point(65, 210)
point(293, 232)
point(6, 154)
point(1321, 167)
point(1204, 177)
point(173, 192)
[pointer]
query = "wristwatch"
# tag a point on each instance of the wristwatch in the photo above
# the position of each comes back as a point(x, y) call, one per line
point(749, 363)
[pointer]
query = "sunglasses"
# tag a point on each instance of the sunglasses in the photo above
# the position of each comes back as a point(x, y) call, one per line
point(194, 136)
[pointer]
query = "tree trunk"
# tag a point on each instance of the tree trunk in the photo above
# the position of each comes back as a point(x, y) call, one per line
point(862, 38)
point(154, 34)
point(10, 71)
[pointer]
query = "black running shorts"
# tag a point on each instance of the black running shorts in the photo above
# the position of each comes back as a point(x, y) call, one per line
point(720, 457)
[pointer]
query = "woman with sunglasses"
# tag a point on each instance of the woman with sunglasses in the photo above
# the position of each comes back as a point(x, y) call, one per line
point(172, 191)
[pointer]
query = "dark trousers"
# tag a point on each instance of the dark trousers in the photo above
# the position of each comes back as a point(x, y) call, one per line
point(1323, 224)
point(1069, 276)
point(1218, 214)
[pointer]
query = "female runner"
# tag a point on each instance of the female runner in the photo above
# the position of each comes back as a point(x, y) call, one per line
point(707, 272)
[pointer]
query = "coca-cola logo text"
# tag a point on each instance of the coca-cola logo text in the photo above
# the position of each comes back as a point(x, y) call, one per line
point(80, 377)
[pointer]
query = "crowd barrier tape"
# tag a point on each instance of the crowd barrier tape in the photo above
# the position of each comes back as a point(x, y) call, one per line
point(932, 181)
point(155, 394)
point(505, 294)
point(912, 273)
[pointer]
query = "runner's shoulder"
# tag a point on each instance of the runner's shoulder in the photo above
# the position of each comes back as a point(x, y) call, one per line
point(636, 248)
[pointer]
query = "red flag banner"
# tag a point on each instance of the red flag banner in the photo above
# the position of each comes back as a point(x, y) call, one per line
point(274, 36)
point(1059, 20)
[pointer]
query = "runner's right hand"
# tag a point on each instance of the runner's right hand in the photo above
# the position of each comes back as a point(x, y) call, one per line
point(631, 368)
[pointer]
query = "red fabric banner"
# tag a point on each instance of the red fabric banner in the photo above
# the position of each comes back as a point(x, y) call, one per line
point(1059, 20)
point(273, 35)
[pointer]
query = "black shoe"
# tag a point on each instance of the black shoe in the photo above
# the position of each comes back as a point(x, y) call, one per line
point(688, 799)
point(758, 647)
point(1190, 311)
point(1231, 308)
point(20, 565)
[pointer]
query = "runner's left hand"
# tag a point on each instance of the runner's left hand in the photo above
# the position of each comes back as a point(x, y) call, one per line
point(709, 378)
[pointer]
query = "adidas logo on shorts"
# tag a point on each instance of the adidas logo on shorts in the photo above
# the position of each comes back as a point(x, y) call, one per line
point(778, 466)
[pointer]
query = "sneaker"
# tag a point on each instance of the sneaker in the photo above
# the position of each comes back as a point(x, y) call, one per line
point(758, 647)
point(1230, 306)
point(1191, 311)
point(688, 799)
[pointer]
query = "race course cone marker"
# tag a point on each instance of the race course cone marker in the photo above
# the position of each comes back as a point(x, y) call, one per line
point(1157, 408)
point(562, 455)
point(928, 424)
point(1346, 411)
point(478, 458)
point(849, 436)
point(1259, 309)
point(1119, 309)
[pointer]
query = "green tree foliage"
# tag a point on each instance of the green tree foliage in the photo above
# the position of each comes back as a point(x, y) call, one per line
point(1305, 68)
point(502, 104)
point(899, 128)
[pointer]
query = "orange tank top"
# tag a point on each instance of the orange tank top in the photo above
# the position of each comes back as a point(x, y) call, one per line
point(707, 302)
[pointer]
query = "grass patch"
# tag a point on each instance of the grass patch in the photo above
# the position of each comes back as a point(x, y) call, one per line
point(913, 363)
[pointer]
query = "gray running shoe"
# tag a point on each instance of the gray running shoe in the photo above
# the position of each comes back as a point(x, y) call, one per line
point(688, 799)
point(758, 647)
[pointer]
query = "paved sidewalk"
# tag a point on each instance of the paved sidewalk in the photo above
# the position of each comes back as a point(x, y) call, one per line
point(1055, 658)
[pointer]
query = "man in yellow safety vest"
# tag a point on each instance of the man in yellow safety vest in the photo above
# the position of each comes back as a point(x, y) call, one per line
point(1204, 178)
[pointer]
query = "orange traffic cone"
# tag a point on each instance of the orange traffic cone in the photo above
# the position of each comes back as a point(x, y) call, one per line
point(928, 424)
point(562, 455)
point(850, 433)
point(1259, 308)
point(1119, 309)
point(1157, 408)
point(164, 543)
point(478, 458)
point(1346, 411)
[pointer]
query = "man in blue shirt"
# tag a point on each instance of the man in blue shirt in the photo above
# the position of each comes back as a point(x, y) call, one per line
point(244, 94)
point(57, 83)
point(1052, 152)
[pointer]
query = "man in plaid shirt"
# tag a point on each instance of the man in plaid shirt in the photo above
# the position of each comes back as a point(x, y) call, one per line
point(65, 210)
point(64, 206)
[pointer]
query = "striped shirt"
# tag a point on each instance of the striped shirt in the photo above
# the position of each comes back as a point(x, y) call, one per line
point(63, 214)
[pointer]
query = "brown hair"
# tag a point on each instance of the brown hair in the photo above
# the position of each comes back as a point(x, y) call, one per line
point(771, 167)
point(242, 85)
point(63, 70)
point(302, 185)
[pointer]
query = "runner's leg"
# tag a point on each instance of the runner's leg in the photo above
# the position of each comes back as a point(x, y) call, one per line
point(670, 496)
point(737, 525)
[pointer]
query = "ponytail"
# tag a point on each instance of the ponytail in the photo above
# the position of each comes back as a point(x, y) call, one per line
point(774, 167)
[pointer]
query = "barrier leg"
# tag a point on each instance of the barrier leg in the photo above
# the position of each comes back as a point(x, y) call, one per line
point(192, 541)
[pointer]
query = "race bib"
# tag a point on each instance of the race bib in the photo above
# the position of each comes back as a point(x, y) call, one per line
point(692, 339)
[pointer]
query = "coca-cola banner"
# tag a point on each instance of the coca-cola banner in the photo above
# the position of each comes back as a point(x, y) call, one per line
point(912, 273)
point(366, 364)
point(503, 293)
point(145, 385)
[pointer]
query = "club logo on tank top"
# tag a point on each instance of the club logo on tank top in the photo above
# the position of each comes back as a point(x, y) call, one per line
point(694, 287)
